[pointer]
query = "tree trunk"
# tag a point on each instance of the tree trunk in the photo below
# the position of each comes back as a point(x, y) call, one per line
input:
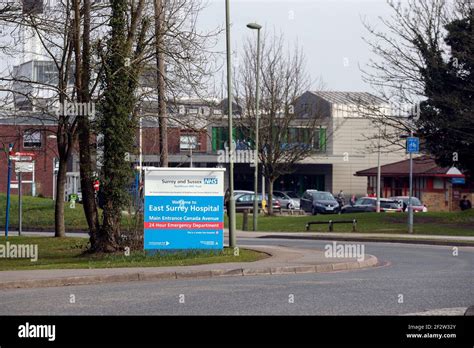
point(160, 63)
point(88, 195)
point(59, 227)
point(84, 132)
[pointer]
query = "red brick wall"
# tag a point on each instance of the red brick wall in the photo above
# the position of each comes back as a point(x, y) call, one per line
point(43, 160)
point(151, 138)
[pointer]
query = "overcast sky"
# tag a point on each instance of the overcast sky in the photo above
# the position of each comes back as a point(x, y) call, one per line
point(330, 32)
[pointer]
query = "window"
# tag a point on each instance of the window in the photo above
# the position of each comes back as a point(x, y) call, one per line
point(187, 142)
point(438, 184)
point(323, 196)
point(305, 136)
point(32, 139)
point(46, 72)
point(220, 136)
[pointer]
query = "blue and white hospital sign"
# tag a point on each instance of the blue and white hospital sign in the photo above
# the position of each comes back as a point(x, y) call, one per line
point(184, 208)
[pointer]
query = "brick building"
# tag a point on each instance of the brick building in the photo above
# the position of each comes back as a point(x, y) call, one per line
point(440, 189)
point(29, 135)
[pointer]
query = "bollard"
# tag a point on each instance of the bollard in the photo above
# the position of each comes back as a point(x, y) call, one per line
point(331, 229)
point(354, 225)
point(245, 220)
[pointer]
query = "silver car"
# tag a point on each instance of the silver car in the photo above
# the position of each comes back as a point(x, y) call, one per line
point(287, 200)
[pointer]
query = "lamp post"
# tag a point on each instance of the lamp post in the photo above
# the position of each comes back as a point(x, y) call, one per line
point(7, 217)
point(378, 175)
point(410, 194)
point(232, 239)
point(255, 26)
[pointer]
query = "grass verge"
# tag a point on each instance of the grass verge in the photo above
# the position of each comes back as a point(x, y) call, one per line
point(449, 224)
point(68, 253)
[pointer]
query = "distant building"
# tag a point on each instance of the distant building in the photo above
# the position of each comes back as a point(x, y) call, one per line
point(437, 187)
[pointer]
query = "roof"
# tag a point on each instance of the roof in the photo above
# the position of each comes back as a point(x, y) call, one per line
point(348, 98)
point(27, 121)
point(422, 166)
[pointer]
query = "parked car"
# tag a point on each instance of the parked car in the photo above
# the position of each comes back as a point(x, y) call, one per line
point(319, 202)
point(417, 205)
point(286, 200)
point(245, 201)
point(369, 204)
point(241, 192)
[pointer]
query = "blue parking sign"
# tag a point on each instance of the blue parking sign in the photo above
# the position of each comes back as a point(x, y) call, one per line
point(413, 145)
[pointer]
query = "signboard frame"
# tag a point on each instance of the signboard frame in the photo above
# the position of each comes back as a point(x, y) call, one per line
point(184, 209)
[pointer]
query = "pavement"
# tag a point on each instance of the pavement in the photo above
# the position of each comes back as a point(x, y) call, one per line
point(367, 237)
point(346, 236)
point(281, 260)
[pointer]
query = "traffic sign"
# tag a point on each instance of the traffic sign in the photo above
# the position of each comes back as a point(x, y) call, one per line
point(413, 145)
point(96, 185)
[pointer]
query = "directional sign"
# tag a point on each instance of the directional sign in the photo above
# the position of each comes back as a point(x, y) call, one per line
point(413, 145)
point(21, 158)
point(184, 208)
point(24, 167)
point(31, 154)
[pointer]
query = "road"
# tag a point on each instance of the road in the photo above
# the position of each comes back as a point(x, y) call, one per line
point(413, 279)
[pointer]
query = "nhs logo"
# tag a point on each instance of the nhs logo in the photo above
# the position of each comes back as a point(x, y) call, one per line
point(210, 181)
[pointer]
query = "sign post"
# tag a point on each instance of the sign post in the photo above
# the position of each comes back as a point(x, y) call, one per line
point(7, 217)
point(20, 208)
point(184, 208)
point(413, 146)
point(21, 167)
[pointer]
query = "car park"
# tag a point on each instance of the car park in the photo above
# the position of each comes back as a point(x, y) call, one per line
point(319, 202)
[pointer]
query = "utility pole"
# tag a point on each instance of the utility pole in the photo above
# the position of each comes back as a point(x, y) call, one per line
point(159, 7)
point(232, 237)
point(257, 27)
point(7, 217)
point(378, 176)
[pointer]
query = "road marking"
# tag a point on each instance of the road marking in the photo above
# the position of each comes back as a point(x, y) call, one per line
point(442, 311)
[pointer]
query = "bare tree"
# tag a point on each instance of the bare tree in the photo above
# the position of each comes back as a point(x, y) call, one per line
point(53, 28)
point(396, 71)
point(184, 62)
point(285, 138)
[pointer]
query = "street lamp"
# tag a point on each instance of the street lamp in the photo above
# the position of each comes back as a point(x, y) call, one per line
point(232, 239)
point(255, 26)
point(378, 175)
